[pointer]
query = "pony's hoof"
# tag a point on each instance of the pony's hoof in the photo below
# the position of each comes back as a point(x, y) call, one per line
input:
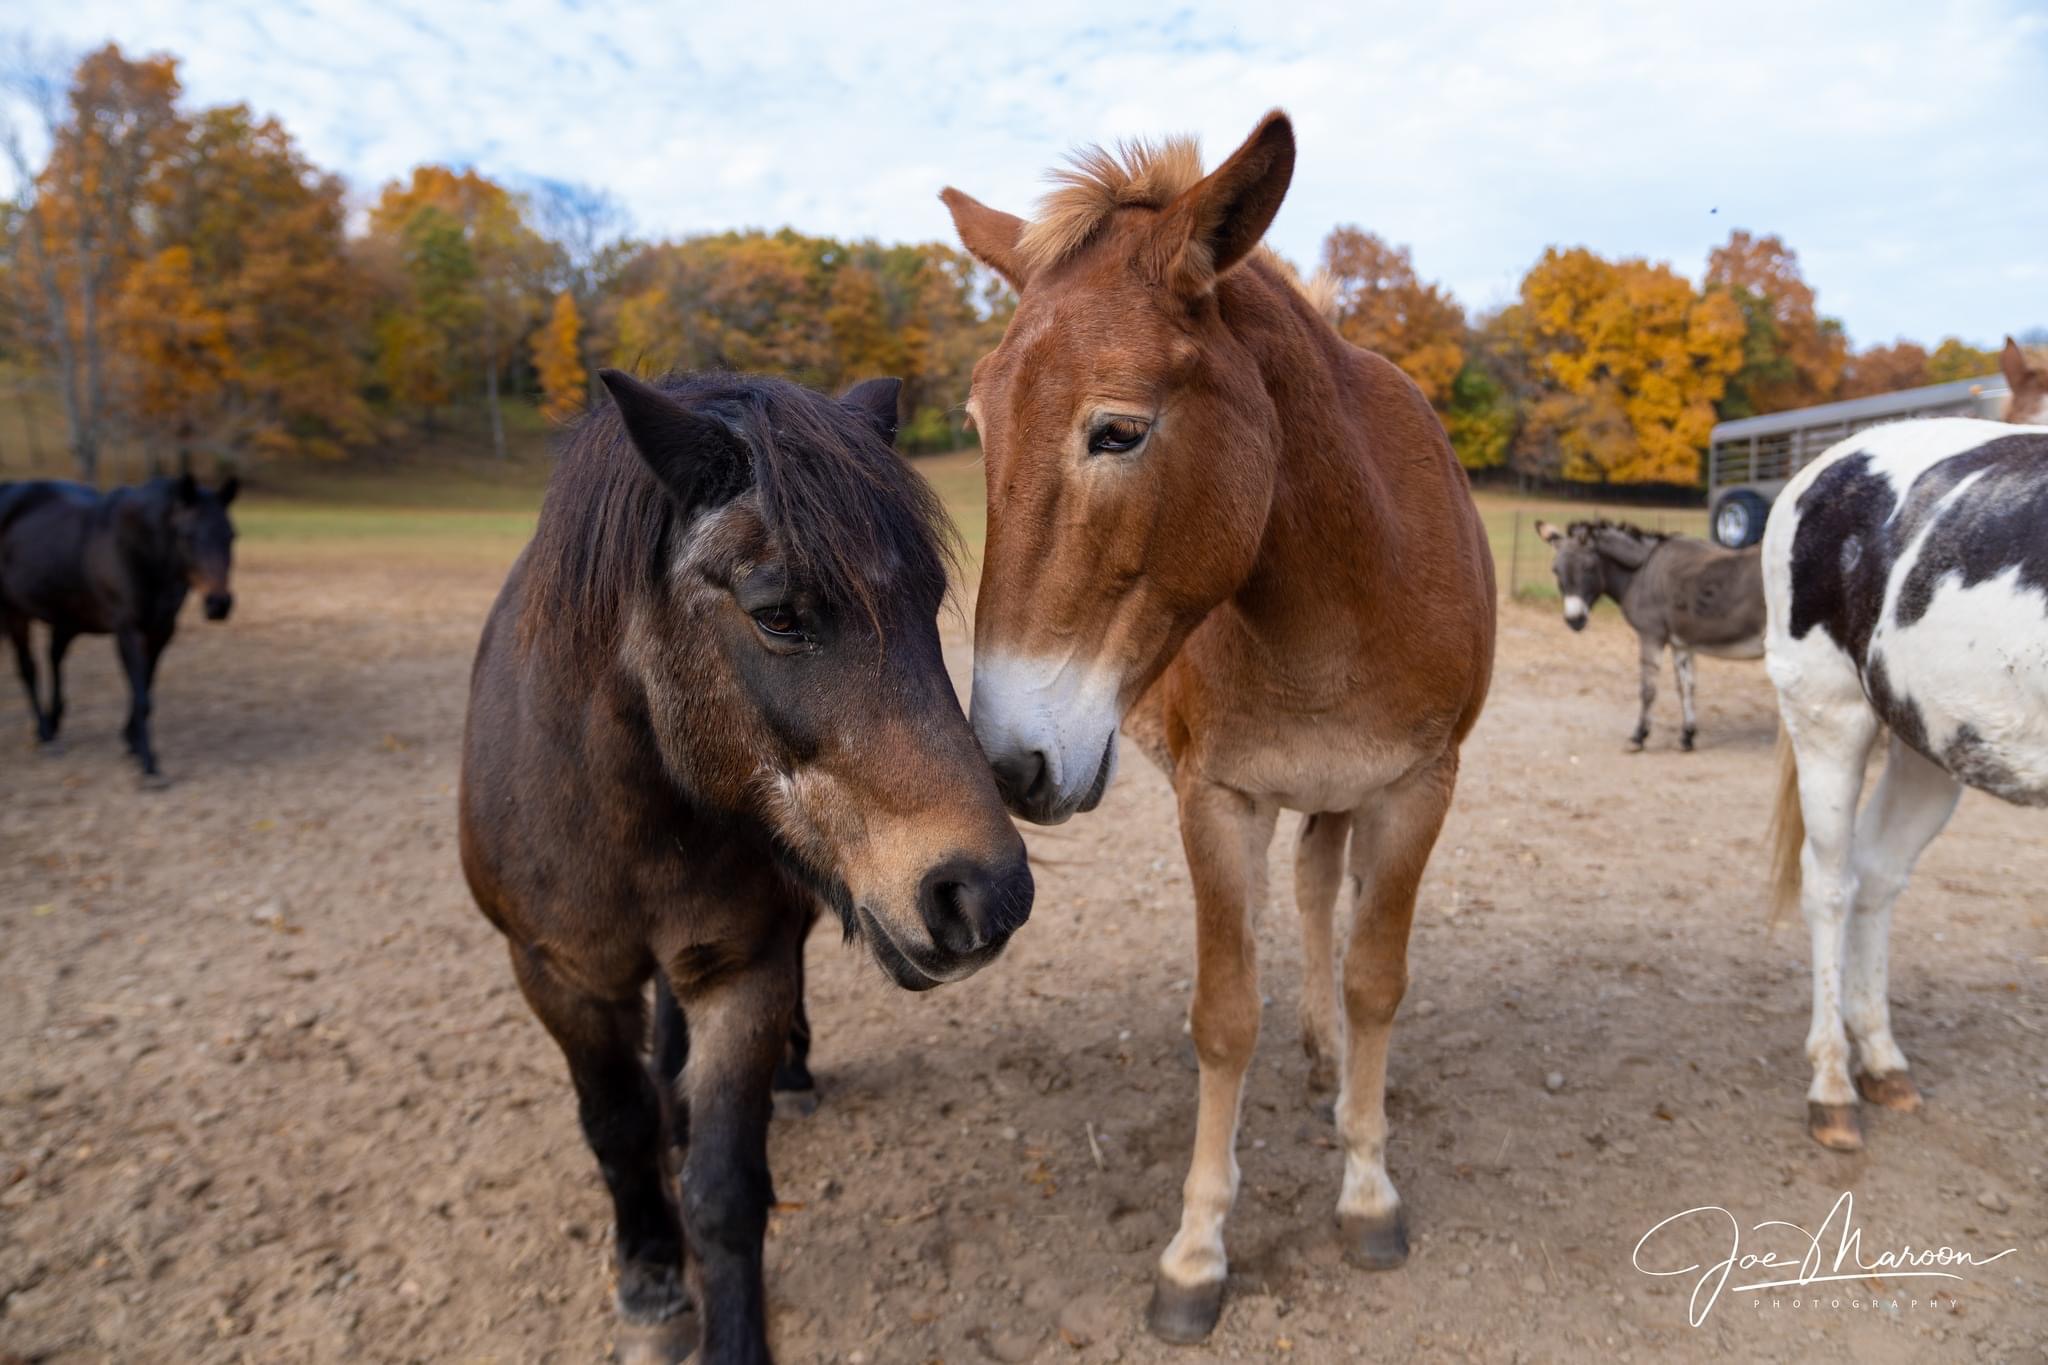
point(153, 782)
point(1377, 1242)
point(1184, 1314)
point(795, 1104)
point(50, 748)
point(1835, 1126)
point(668, 1342)
point(1894, 1090)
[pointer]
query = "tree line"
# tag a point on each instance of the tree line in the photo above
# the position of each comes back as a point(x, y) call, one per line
point(190, 284)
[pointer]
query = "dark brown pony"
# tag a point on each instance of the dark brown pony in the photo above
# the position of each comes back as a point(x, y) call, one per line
point(117, 563)
point(709, 698)
point(1214, 521)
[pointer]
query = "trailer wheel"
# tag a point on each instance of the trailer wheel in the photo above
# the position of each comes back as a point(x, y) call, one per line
point(1739, 518)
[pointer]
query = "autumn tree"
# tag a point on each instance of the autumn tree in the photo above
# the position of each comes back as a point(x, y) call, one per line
point(1628, 362)
point(1384, 306)
point(1884, 369)
point(558, 360)
point(1957, 359)
point(78, 229)
point(1791, 356)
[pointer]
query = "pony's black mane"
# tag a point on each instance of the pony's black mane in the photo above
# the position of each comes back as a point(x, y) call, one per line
point(848, 514)
point(1586, 530)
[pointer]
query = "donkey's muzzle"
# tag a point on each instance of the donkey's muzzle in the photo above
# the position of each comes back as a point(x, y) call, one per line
point(218, 605)
point(971, 909)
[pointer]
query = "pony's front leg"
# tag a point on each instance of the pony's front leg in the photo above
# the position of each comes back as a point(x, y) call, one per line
point(25, 664)
point(1649, 653)
point(1226, 836)
point(1395, 832)
point(739, 1025)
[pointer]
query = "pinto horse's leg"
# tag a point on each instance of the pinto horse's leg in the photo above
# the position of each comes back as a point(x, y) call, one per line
point(621, 1115)
point(1650, 652)
point(1318, 877)
point(1681, 664)
point(1226, 837)
point(60, 641)
point(1913, 800)
point(1832, 743)
point(25, 663)
point(739, 1026)
point(1395, 832)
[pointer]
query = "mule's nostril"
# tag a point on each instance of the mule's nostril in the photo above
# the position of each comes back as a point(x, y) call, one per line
point(1023, 778)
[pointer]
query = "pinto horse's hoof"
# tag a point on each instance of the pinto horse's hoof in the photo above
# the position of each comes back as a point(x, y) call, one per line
point(1379, 1242)
point(1836, 1127)
point(1184, 1314)
point(668, 1342)
point(1894, 1090)
point(794, 1104)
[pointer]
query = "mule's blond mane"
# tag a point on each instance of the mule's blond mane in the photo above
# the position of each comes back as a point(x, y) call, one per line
point(1097, 181)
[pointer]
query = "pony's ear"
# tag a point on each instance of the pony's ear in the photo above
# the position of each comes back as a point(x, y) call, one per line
point(990, 235)
point(697, 458)
point(2012, 361)
point(186, 489)
point(1216, 223)
point(232, 486)
point(875, 400)
point(1551, 533)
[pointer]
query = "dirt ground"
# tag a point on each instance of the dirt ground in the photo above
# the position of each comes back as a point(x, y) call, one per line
point(267, 1092)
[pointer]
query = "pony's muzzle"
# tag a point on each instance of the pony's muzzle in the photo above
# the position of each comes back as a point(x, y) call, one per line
point(218, 605)
point(971, 909)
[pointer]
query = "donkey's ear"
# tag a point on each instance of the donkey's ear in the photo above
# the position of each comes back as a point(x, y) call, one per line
point(697, 458)
point(186, 489)
point(990, 235)
point(2012, 361)
point(875, 401)
point(1622, 548)
point(1549, 532)
point(227, 492)
point(1216, 223)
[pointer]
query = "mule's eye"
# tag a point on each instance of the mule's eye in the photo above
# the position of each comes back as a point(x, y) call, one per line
point(780, 622)
point(1117, 434)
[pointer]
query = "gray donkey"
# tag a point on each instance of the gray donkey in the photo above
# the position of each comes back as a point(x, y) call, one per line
point(1687, 594)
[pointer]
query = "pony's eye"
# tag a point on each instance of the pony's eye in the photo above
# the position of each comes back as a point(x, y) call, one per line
point(1122, 433)
point(780, 622)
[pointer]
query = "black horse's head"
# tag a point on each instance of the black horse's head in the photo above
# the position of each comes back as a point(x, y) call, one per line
point(205, 539)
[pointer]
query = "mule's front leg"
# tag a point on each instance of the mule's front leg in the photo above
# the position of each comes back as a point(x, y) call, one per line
point(1650, 651)
point(739, 1025)
point(1226, 836)
point(1395, 833)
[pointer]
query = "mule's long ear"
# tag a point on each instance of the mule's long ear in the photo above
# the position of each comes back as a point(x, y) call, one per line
point(1216, 223)
point(2012, 361)
point(696, 457)
point(232, 486)
point(1549, 532)
point(875, 400)
point(990, 235)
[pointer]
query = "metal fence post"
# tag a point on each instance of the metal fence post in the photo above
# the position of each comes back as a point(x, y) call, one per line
point(1515, 560)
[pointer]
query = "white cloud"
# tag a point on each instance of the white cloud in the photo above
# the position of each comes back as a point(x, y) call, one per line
point(1902, 148)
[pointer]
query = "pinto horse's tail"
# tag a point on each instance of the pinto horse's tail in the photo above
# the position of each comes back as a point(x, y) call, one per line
point(1788, 830)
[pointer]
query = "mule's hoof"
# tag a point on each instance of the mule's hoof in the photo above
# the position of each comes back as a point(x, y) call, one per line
point(795, 1104)
point(1322, 1075)
point(1378, 1242)
point(1184, 1314)
point(1894, 1090)
point(668, 1342)
point(1836, 1127)
point(1323, 1107)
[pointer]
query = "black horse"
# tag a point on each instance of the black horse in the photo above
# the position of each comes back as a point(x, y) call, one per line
point(710, 699)
point(116, 563)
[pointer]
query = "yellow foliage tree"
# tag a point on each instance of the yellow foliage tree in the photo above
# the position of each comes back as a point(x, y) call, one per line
point(558, 359)
point(1629, 340)
point(176, 348)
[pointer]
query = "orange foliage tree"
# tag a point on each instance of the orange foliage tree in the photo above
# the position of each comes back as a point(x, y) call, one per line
point(1384, 306)
point(558, 360)
point(1792, 356)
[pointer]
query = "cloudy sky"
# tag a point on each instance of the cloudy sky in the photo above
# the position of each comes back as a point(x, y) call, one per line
point(1901, 148)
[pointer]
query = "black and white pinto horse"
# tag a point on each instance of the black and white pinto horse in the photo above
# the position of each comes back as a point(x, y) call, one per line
point(1906, 581)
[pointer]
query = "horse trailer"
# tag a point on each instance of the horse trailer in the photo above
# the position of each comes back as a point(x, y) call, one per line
point(1752, 459)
